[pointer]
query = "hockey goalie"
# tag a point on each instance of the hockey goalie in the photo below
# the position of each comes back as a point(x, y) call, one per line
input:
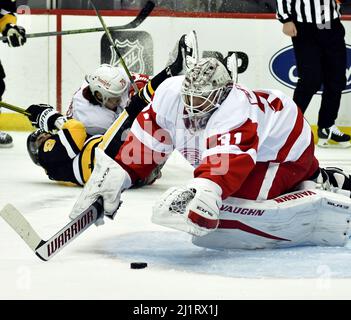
point(257, 182)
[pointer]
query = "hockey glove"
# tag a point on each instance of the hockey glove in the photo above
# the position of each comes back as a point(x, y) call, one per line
point(107, 180)
point(193, 209)
point(15, 35)
point(45, 117)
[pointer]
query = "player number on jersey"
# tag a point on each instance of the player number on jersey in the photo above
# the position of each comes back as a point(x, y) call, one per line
point(225, 139)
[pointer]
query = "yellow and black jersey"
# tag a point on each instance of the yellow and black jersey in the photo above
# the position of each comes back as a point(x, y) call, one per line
point(7, 13)
point(67, 155)
point(83, 165)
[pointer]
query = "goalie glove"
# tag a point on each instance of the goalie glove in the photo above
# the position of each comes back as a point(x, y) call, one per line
point(45, 117)
point(108, 180)
point(15, 35)
point(193, 209)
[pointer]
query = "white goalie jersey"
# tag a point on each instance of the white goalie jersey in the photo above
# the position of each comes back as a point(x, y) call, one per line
point(260, 133)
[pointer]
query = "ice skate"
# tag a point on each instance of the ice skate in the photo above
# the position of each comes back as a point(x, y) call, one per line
point(333, 138)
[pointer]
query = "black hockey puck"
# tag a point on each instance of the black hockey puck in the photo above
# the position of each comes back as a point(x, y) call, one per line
point(138, 265)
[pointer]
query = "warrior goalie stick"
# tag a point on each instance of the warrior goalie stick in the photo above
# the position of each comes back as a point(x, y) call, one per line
point(143, 14)
point(45, 250)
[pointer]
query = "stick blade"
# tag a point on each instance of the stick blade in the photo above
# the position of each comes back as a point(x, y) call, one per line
point(143, 14)
point(47, 249)
point(22, 227)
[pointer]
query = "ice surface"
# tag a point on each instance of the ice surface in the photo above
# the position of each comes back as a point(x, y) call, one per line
point(97, 264)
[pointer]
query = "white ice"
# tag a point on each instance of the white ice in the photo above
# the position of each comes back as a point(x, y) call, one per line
point(97, 264)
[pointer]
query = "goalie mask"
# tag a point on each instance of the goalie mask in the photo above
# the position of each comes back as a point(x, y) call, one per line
point(109, 86)
point(204, 88)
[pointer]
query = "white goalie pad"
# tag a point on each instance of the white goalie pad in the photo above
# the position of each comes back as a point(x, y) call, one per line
point(307, 217)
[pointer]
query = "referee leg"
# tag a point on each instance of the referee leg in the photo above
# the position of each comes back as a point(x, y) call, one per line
point(334, 73)
point(308, 61)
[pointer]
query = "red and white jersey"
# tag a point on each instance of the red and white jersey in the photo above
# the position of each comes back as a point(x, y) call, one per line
point(248, 128)
point(98, 119)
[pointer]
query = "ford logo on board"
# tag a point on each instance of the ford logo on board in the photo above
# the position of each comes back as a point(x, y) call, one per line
point(283, 68)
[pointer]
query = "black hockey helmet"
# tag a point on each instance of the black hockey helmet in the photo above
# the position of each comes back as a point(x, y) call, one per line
point(33, 147)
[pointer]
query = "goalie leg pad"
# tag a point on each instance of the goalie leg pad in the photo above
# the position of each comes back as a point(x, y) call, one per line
point(307, 217)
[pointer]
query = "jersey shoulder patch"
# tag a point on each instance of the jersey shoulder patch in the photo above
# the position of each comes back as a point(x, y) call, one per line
point(49, 145)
